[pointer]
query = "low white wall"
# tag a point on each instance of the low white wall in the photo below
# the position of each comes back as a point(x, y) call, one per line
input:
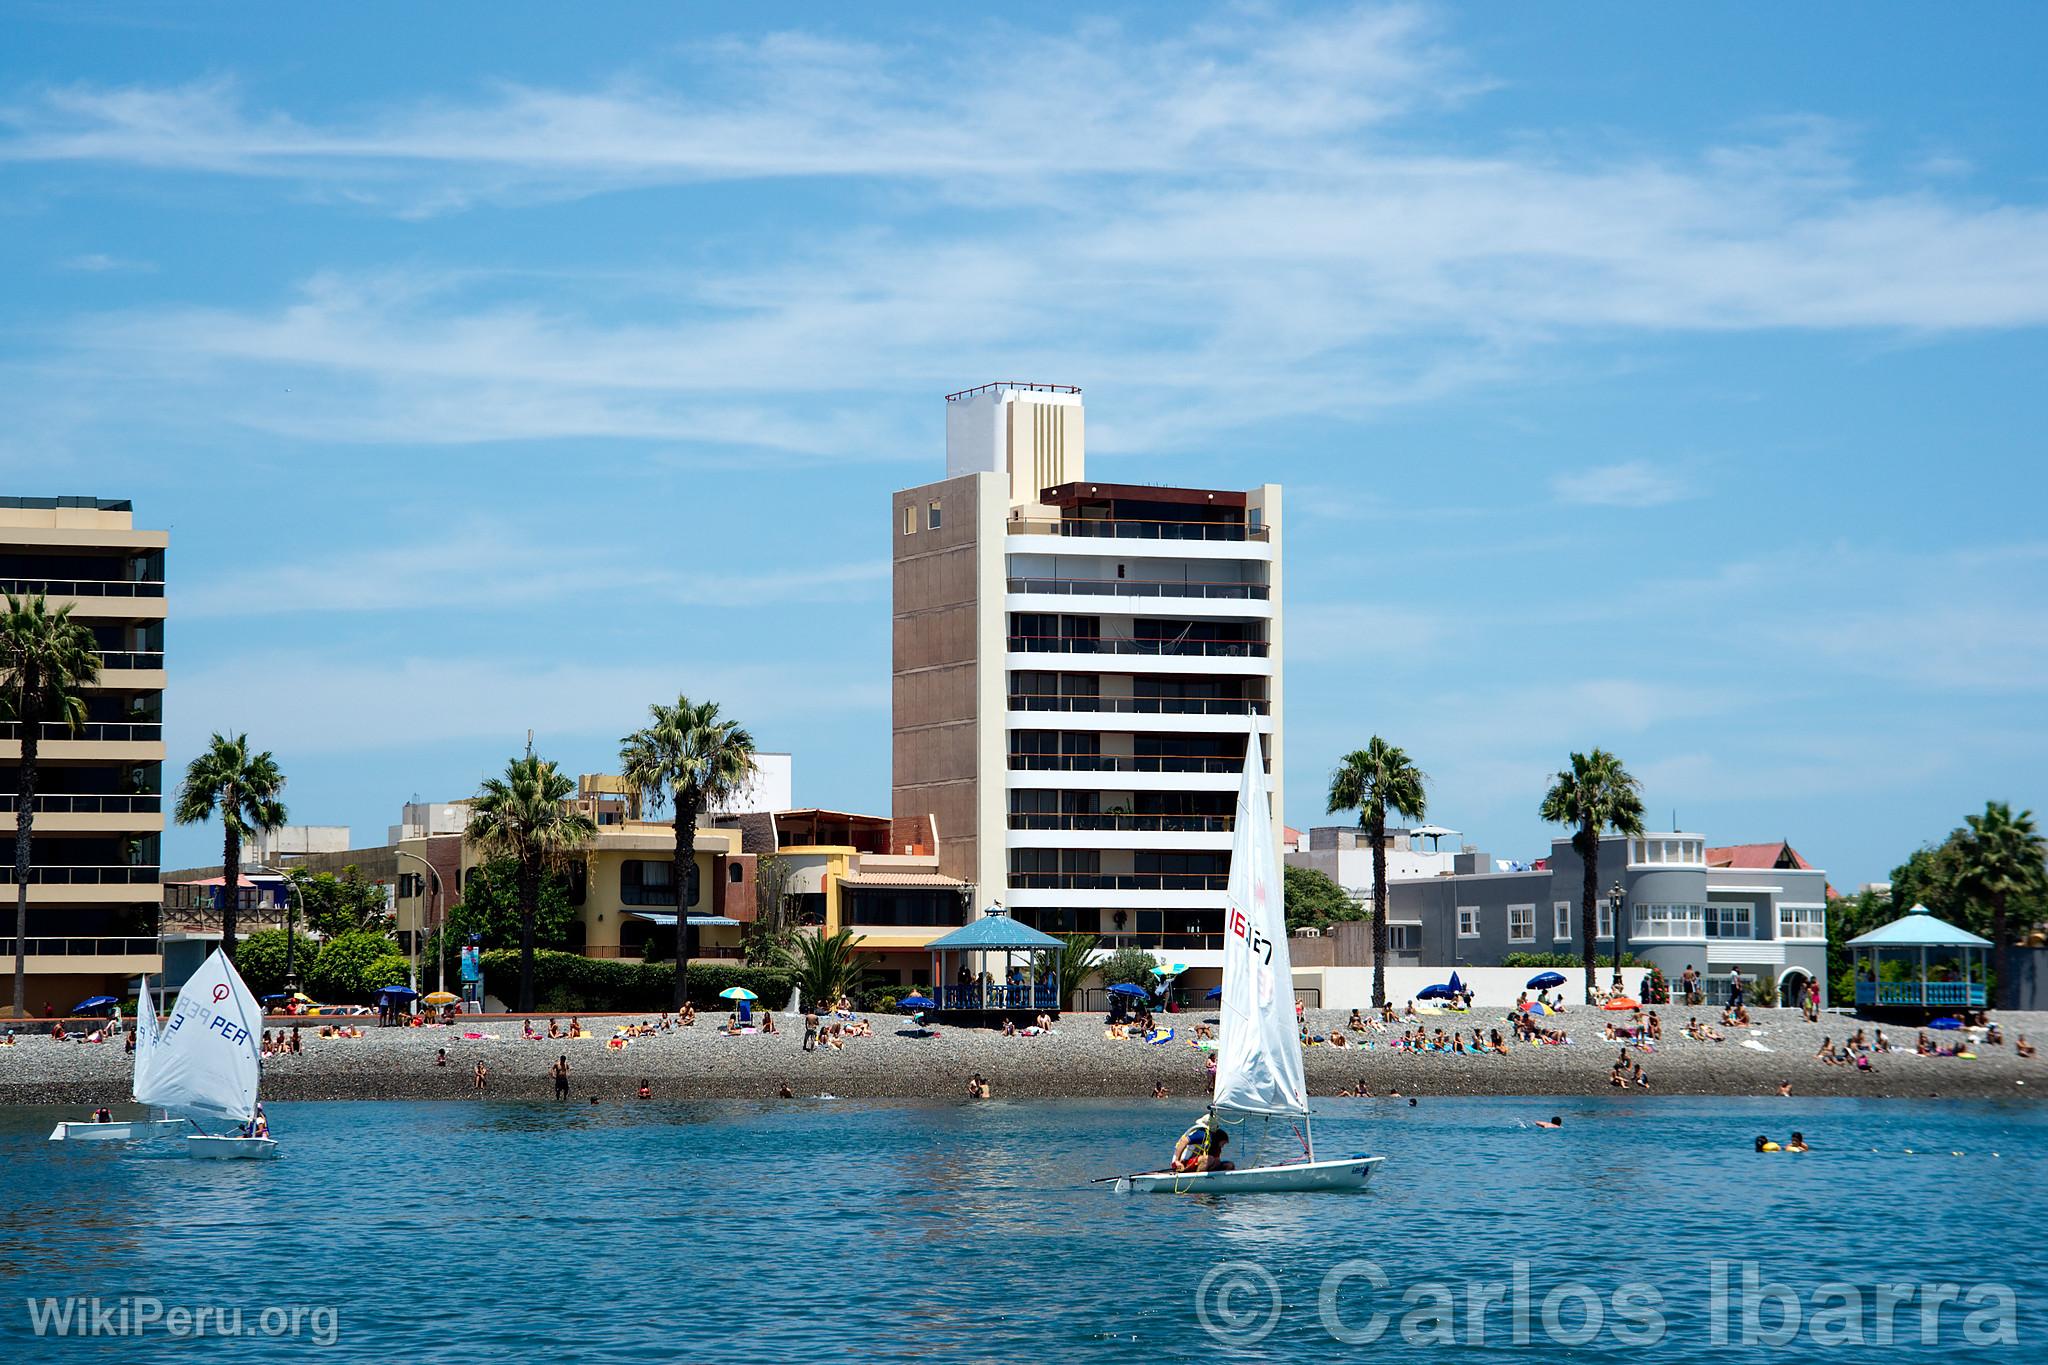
point(1346, 988)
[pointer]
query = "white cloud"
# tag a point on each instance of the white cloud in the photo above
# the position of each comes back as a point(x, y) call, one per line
point(1632, 483)
point(98, 262)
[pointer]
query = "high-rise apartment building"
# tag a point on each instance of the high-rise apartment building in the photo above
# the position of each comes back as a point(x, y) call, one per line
point(1077, 668)
point(99, 808)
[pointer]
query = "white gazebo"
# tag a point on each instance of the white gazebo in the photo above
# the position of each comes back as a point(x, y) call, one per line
point(1934, 964)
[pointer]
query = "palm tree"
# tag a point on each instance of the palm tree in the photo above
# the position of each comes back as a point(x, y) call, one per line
point(2003, 856)
point(1077, 955)
point(1596, 793)
point(521, 816)
point(690, 757)
point(242, 787)
point(1375, 780)
point(47, 660)
point(825, 966)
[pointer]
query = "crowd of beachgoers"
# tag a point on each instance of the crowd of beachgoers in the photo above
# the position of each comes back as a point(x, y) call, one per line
point(1416, 1049)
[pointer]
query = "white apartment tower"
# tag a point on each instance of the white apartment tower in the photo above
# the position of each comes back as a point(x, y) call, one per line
point(1077, 668)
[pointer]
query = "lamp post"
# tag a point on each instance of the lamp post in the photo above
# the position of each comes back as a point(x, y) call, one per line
point(1618, 898)
point(433, 906)
point(291, 977)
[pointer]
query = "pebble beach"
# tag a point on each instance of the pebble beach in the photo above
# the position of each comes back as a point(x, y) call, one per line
point(1076, 1060)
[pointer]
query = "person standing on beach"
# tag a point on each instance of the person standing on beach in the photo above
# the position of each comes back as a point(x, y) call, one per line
point(1734, 987)
point(810, 1030)
point(560, 1071)
point(482, 1078)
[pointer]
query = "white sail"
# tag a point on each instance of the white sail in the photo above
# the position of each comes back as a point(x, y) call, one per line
point(1258, 1051)
point(145, 1037)
point(205, 1066)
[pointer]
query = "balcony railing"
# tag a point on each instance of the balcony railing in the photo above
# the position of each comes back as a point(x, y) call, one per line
point(249, 917)
point(1125, 528)
point(1116, 763)
point(1129, 824)
point(1937, 993)
point(1172, 943)
point(83, 876)
point(62, 803)
point(91, 730)
point(79, 587)
point(131, 658)
point(1100, 644)
point(1119, 881)
point(1125, 587)
point(83, 947)
point(1139, 706)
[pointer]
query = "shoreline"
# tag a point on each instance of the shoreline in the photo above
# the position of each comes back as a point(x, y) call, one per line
point(1076, 1062)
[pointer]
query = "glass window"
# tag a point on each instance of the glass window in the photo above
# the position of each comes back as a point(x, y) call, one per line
point(1404, 938)
point(932, 516)
point(1729, 921)
point(909, 519)
point(1802, 921)
point(1521, 924)
point(1468, 921)
point(1603, 921)
point(1561, 916)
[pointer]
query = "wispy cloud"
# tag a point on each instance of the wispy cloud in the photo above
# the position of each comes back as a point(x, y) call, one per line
point(1632, 483)
point(98, 262)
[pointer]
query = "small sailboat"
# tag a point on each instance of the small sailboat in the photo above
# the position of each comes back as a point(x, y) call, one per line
point(1259, 1072)
point(206, 1063)
point(124, 1130)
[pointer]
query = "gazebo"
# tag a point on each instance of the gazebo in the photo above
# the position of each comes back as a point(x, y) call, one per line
point(1919, 961)
point(964, 981)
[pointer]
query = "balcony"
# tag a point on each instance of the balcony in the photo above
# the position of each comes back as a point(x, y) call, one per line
point(79, 587)
point(89, 875)
point(1147, 824)
point(1120, 881)
point(1158, 649)
point(1140, 706)
point(131, 658)
point(93, 731)
point(1119, 763)
point(1124, 587)
point(60, 803)
point(1124, 528)
point(84, 954)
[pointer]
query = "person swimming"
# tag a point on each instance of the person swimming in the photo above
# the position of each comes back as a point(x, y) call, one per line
point(1764, 1144)
point(1797, 1143)
point(1556, 1121)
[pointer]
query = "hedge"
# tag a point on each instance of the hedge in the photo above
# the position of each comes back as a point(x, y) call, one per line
point(1554, 960)
point(568, 981)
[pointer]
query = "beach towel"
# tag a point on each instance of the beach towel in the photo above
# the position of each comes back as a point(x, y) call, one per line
point(1159, 1036)
point(1754, 1046)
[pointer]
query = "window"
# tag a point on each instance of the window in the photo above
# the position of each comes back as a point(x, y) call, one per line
point(1802, 921)
point(909, 519)
point(932, 517)
point(1521, 924)
point(1603, 920)
point(1404, 938)
point(1561, 916)
point(735, 873)
point(1666, 921)
point(1468, 921)
point(1729, 921)
point(646, 881)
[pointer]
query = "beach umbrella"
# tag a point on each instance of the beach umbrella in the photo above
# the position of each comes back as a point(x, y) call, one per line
point(1215, 993)
point(1442, 990)
point(917, 1002)
point(1621, 1003)
point(442, 998)
point(737, 993)
point(1544, 981)
point(1945, 1023)
point(1537, 1007)
point(1170, 969)
point(1126, 988)
point(97, 1002)
point(1457, 986)
point(398, 992)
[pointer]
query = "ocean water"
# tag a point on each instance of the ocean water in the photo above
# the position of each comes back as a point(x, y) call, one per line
point(815, 1229)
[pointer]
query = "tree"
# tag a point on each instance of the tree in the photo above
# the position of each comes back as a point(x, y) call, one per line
point(1077, 955)
point(1595, 793)
point(261, 960)
point(242, 788)
point(345, 904)
point(768, 935)
point(47, 660)
point(825, 966)
point(689, 757)
point(2002, 858)
point(1374, 780)
point(1129, 967)
point(489, 908)
point(521, 816)
point(1314, 901)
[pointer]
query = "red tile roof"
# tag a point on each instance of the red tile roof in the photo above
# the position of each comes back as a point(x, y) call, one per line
point(1764, 856)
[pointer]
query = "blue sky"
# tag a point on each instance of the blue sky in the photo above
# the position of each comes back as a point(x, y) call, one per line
point(1659, 377)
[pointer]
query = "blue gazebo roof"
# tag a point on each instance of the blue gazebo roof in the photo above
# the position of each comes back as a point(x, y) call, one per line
point(997, 931)
point(1919, 928)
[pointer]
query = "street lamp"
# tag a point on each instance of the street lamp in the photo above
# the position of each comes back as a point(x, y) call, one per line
point(291, 977)
point(1618, 898)
point(433, 905)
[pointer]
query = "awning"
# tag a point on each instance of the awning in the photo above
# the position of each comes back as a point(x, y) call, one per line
point(709, 921)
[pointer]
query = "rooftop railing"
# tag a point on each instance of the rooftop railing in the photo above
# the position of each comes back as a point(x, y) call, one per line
point(1136, 528)
point(1128, 587)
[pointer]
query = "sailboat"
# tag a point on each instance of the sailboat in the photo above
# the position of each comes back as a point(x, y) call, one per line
point(124, 1130)
point(206, 1063)
point(1259, 1072)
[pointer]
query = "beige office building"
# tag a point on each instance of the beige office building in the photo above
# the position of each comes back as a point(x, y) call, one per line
point(1077, 667)
point(99, 808)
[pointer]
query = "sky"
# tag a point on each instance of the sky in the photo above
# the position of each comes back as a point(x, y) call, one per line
point(1662, 378)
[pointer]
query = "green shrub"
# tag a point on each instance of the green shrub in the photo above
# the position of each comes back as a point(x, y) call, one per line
point(1560, 960)
point(1656, 990)
point(1132, 966)
point(352, 966)
point(885, 999)
point(260, 959)
point(1761, 991)
point(568, 982)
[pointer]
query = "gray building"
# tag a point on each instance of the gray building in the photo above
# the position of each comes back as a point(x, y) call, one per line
point(1683, 911)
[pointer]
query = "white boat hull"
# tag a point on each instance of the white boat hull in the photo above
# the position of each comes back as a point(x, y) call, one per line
point(1346, 1173)
point(210, 1148)
point(120, 1130)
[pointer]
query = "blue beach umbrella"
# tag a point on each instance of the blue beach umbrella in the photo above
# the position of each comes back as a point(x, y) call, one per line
point(1215, 993)
point(98, 1002)
point(1126, 988)
point(1442, 990)
point(398, 992)
point(1946, 1024)
point(918, 1002)
point(1544, 981)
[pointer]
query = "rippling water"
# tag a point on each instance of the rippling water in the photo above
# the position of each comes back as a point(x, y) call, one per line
point(818, 1229)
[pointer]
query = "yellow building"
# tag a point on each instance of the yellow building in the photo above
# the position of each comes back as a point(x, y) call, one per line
point(845, 873)
point(99, 810)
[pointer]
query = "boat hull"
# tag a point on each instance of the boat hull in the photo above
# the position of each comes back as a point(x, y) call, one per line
point(206, 1147)
point(120, 1130)
point(1346, 1173)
